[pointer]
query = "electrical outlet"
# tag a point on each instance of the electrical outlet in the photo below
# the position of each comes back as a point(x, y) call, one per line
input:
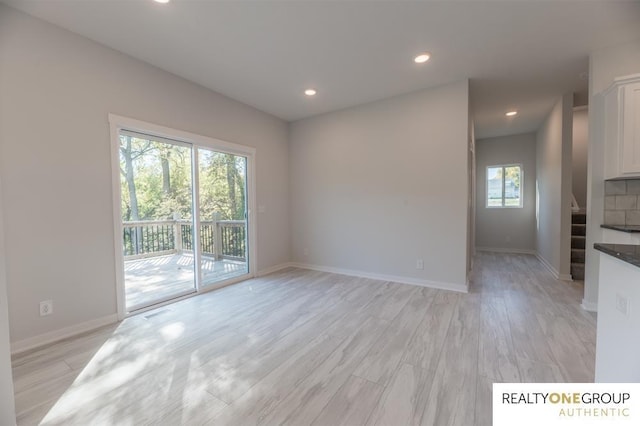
point(419, 264)
point(622, 304)
point(305, 252)
point(46, 308)
point(508, 238)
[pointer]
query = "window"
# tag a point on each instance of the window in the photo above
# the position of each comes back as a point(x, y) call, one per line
point(504, 186)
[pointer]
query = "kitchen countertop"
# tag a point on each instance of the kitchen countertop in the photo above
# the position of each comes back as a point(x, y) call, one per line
point(623, 228)
point(629, 253)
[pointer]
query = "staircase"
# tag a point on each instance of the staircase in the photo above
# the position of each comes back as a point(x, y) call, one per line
point(578, 232)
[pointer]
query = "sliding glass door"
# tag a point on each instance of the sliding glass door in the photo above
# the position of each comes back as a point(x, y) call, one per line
point(157, 206)
point(183, 216)
point(223, 215)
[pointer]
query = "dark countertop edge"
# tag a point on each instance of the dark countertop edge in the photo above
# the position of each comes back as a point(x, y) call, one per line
point(622, 228)
point(622, 178)
point(629, 253)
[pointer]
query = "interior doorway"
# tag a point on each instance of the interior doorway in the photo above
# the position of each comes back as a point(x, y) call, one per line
point(579, 159)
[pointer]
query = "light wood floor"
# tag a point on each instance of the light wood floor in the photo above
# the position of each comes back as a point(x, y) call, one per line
point(301, 347)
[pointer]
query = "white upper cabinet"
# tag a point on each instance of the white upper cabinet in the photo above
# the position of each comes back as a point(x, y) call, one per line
point(631, 128)
point(622, 127)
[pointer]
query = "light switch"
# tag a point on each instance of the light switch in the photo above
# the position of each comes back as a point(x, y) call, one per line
point(622, 304)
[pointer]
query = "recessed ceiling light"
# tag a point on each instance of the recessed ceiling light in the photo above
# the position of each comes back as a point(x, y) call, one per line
point(162, 1)
point(422, 58)
point(310, 92)
point(511, 113)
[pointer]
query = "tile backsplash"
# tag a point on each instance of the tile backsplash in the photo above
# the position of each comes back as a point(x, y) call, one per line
point(622, 202)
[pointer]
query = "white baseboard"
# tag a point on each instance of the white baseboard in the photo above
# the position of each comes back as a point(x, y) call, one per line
point(272, 269)
point(506, 250)
point(461, 288)
point(557, 275)
point(589, 306)
point(63, 333)
point(547, 265)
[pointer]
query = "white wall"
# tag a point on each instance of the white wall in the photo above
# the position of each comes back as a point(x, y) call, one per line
point(604, 66)
point(7, 406)
point(579, 155)
point(508, 229)
point(376, 187)
point(57, 89)
point(618, 343)
point(553, 173)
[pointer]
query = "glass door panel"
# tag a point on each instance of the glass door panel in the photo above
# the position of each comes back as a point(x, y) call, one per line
point(222, 192)
point(157, 220)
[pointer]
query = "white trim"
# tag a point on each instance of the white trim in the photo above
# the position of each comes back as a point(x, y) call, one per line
point(622, 80)
point(273, 269)
point(252, 210)
point(548, 266)
point(61, 334)
point(552, 270)
point(195, 218)
point(589, 306)
point(179, 135)
point(116, 123)
point(506, 250)
point(461, 288)
point(117, 214)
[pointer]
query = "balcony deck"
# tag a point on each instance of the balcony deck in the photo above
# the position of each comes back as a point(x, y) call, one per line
point(160, 277)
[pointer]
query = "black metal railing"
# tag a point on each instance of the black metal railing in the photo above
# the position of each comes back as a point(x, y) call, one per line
point(145, 237)
point(233, 236)
point(225, 238)
point(186, 236)
point(207, 237)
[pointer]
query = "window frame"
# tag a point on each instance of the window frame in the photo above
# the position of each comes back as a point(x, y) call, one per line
point(504, 166)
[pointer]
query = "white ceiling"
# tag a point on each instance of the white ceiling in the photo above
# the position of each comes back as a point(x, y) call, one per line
point(518, 54)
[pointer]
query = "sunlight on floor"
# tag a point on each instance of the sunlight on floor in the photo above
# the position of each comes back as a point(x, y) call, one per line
point(172, 331)
point(134, 371)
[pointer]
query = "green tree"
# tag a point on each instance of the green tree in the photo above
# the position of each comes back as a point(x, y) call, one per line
point(513, 174)
point(157, 181)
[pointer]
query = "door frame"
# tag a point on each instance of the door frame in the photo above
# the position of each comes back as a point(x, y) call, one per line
point(117, 123)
